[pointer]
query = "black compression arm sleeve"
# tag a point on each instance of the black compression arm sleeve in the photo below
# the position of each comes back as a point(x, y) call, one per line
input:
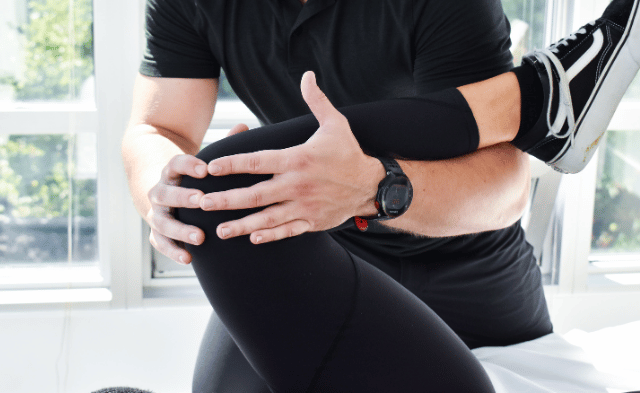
point(432, 127)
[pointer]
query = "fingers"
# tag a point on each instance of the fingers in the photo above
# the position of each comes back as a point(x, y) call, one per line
point(289, 229)
point(262, 194)
point(317, 101)
point(271, 224)
point(238, 128)
point(261, 162)
point(166, 232)
point(168, 248)
point(166, 225)
point(183, 164)
point(172, 196)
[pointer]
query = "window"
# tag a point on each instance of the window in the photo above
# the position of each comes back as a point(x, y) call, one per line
point(48, 164)
point(527, 18)
point(615, 240)
point(64, 132)
point(595, 245)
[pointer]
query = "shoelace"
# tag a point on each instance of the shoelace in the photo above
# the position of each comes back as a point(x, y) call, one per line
point(565, 109)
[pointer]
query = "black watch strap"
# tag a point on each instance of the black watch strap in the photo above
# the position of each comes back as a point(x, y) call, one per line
point(391, 165)
point(393, 170)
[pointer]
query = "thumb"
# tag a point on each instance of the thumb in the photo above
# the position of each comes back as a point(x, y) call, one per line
point(238, 128)
point(317, 101)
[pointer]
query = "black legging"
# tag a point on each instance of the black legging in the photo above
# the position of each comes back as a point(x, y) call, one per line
point(311, 316)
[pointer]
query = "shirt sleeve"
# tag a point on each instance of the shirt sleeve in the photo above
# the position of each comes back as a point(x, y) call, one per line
point(458, 42)
point(175, 48)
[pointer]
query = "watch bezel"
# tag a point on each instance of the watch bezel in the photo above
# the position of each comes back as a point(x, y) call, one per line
point(387, 183)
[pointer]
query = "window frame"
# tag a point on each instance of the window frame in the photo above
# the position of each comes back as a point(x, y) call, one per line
point(107, 119)
point(573, 240)
point(125, 252)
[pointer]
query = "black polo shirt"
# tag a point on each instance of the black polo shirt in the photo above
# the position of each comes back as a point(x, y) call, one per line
point(486, 286)
point(360, 50)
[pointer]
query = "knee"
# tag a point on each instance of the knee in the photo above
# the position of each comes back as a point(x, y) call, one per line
point(208, 220)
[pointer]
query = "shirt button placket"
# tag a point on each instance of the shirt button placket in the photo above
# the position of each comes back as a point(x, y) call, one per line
point(297, 51)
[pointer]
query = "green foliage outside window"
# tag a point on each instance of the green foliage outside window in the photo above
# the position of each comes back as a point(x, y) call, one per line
point(35, 170)
point(58, 50)
point(225, 92)
point(616, 224)
point(35, 181)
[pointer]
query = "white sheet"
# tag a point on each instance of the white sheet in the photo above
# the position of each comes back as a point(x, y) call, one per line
point(606, 361)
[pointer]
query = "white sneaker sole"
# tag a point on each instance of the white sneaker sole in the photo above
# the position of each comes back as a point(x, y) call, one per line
point(617, 77)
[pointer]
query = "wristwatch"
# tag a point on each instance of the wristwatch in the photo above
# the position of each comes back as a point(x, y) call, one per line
point(394, 194)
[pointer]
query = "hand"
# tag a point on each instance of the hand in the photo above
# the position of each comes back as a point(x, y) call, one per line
point(238, 128)
point(316, 186)
point(167, 233)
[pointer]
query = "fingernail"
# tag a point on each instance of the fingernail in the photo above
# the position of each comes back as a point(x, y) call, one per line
point(213, 169)
point(201, 170)
point(258, 239)
point(194, 199)
point(224, 232)
point(193, 237)
point(181, 258)
point(207, 203)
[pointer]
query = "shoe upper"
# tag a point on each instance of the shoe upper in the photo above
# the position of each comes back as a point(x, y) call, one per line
point(618, 12)
point(571, 71)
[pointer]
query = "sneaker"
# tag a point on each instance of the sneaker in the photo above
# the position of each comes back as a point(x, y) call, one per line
point(584, 77)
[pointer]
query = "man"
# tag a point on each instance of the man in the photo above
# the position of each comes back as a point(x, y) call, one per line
point(474, 269)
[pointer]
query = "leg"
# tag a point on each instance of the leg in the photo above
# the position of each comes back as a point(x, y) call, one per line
point(221, 367)
point(310, 316)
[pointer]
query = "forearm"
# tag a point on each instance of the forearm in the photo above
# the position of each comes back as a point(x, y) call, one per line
point(483, 191)
point(433, 127)
point(146, 150)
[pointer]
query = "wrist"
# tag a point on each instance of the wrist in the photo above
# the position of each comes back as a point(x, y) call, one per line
point(372, 174)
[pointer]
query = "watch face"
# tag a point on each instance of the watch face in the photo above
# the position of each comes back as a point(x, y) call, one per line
point(397, 197)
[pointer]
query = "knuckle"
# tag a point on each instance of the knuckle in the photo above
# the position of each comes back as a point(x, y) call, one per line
point(154, 220)
point(254, 162)
point(165, 171)
point(255, 199)
point(184, 200)
point(152, 193)
point(152, 240)
point(223, 203)
point(301, 160)
point(303, 188)
point(160, 224)
point(269, 221)
point(160, 197)
point(174, 162)
point(149, 218)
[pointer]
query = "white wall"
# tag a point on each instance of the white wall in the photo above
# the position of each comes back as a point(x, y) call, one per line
point(155, 348)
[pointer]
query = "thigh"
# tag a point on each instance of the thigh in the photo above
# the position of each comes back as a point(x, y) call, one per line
point(393, 341)
point(221, 367)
